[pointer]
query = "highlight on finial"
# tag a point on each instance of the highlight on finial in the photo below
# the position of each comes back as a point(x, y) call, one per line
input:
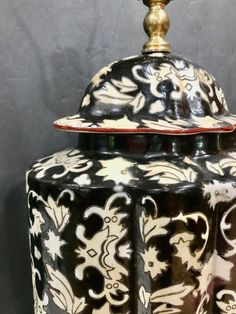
point(156, 25)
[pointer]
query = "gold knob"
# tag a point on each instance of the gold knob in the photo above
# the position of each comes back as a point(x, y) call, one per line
point(156, 25)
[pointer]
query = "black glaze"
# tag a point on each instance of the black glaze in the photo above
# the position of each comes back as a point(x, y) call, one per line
point(148, 145)
point(158, 93)
point(183, 197)
point(174, 110)
point(139, 223)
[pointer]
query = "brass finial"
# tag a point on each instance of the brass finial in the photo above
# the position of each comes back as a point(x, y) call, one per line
point(156, 25)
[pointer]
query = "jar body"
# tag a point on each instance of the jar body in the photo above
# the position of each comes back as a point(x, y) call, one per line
point(119, 233)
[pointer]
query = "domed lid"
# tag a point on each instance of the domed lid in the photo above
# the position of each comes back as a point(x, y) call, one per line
point(153, 93)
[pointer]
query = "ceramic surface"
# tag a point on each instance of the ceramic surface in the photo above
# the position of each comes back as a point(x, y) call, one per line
point(156, 93)
point(135, 224)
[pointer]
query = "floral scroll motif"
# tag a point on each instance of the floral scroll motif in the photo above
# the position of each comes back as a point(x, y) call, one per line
point(226, 227)
point(142, 95)
point(67, 161)
point(108, 250)
point(188, 76)
point(219, 192)
point(100, 251)
point(59, 287)
point(155, 226)
point(214, 266)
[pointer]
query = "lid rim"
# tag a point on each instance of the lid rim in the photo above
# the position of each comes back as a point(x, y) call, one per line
point(190, 131)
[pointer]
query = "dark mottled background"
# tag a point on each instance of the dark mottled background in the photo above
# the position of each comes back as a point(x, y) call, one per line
point(49, 49)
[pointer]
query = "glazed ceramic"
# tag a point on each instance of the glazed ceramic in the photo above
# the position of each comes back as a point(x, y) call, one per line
point(139, 217)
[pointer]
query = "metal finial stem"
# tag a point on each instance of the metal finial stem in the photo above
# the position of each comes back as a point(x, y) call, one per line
point(156, 25)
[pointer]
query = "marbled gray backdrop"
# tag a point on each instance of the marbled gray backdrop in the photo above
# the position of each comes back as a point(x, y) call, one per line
point(49, 50)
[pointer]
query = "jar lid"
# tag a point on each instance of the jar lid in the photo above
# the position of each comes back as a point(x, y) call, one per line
point(154, 93)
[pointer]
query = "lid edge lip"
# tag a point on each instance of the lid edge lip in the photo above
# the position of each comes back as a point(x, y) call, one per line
point(192, 131)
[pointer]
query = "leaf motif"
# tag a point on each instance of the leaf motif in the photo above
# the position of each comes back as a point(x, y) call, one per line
point(58, 299)
point(86, 101)
point(168, 173)
point(172, 295)
point(151, 227)
point(167, 124)
point(138, 102)
point(109, 94)
point(215, 168)
point(125, 85)
point(227, 162)
point(79, 305)
point(59, 214)
point(233, 171)
point(189, 161)
point(163, 309)
point(144, 296)
point(161, 125)
point(63, 295)
point(178, 122)
point(233, 154)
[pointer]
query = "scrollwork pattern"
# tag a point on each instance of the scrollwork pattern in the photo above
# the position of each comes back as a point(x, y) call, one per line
point(100, 251)
point(109, 250)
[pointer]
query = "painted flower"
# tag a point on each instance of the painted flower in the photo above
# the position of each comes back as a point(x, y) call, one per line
point(117, 169)
point(182, 243)
point(218, 192)
point(54, 244)
point(68, 161)
point(152, 264)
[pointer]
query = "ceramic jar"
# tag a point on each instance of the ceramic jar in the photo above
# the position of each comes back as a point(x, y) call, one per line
point(139, 217)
